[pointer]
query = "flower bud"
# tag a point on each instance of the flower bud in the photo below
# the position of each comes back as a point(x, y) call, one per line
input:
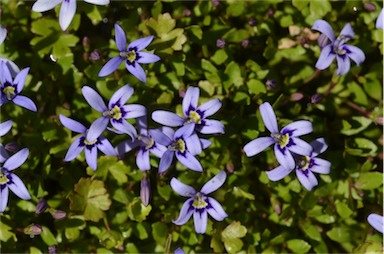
point(369, 6)
point(58, 214)
point(252, 22)
point(145, 191)
point(86, 43)
point(41, 206)
point(220, 43)
point(271, 84)
point(316, 98)
point(296, 96)
point(12, 147)
point(52, 249)
point(33, 229)
point(215, 3)
point(245, 43)
point(95, 55)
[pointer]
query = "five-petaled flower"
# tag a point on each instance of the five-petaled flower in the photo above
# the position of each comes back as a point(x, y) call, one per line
point(337, 48)
point(67, 9)
point(194, 115)
point(199, 204)
point(10, 89)
point(184, 143)
point(116, 112)
point(12, 181)
point(305, 166)
point(132, 55)
point(146, 143)
point(376, 221)
point(90, 140)
point(286, 141)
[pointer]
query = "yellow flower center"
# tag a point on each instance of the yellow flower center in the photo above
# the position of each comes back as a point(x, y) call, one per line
point(9, 92)
point(198, 201)
point(194, 117)
point(130, 55)
point(281, 139)
point(89, 143)
point(178, 145)
point(149, 142)
point(115, 113)
point(3, 179)
point(304, 162)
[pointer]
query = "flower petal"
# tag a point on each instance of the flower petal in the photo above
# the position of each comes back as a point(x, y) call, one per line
point(3, 34)
point(269, 117)
point(5, 127)
point(106, 147)
point(146, 58)
point(356, 54)
point(324, 27)
point(189, 161)
point(3, 154)
point(326, 58)
point(96, 128)
point(16, 160)
point(91, 157)
point(158, 150)
point(205, 143)
point(185, 212)
point(185, 131)
point(343, 64)
point(376, 221)
point(160, 137)
point(121, 40)
point(74, 150)
point(191, 99)
point(278, 173)
point(141, 43)
point(13, 69)
point(142, 159)
point(142, 125)
point(125, 127)
point(98, 2)
point(257, 145)
point(45, 5)
point(347, 31)
point(111, 66)
point(121, 96)
point(20, 79)
point(319, 146)
point(5, 74)
point(284, 157)
point(17, 186)
point(166, 161)
point(306, 178)
point(300, 147)
point(4, 198)
point(134, 111)
point(210, 107)
point(320, 166)
point(137, 71)
point(167, 118)
point(126, 146)
point(72, 124)
point(298, 128)
point(25, 102)
point(216, 210)
point(211, 127)
point(94, 99)
point(379, 25)
point(67, 12)
point(216, 182)
point(181, 188)
point(200, 219)
point(193, 144)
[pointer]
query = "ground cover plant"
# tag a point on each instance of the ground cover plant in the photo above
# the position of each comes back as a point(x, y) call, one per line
point(191, 126)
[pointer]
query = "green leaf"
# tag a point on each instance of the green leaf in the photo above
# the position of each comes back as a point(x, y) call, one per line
point(361, 147)
point(234, 75)
point(358, 124)
point(369, 181)
point(256, 86)
point(320, 8)
point(91, 198)
point(298, 246)
point(343, 210)
point(137, 211)
point(48, 237)
point(6, 232)
point(339, 234)
point(373, 87)
point(219, 57)
point(310, 230)
point(194, 32)
point(230, 236)
point(160, 232)
point(238, 192)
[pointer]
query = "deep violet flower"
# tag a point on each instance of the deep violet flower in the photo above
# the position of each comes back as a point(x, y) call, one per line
point(193, 114)
point(132, 55)
point(305, 166)
point(116, 112)
point(10, 88)
point(376, 221)
point(91, 141)
point(199, 204)
point(286, 141)
point(146, 143)
point(8, 180)
point(337, 48)
point(67, 9)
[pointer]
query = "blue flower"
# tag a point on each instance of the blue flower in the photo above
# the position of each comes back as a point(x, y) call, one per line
point(337, 48)
point(183, 143)
point(10, 89)
point(146, 143)
point(380, 21)
point(116, 112)
point(305, 166)
point(12, 181)
point(67, 9)
point(376, 221)
point(286, 141)
point(199, 204)
point(193, 114)
point(91, 141)
point(132, 55)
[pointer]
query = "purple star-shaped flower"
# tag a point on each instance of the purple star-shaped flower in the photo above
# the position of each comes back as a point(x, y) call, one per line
point(337, 48)
point(91, 141)
point(194, 115)
point(67, 9)
point(184, 143)
point(376, 221)
point(116, 112)
point(146, 143)
point(286, 141)
point(12, 181)
point(199, 204)
point(305, 166)
point(10, 89)
point(132, 55)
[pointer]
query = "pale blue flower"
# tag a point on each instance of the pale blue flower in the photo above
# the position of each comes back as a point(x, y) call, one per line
point(131, 55)
point(199, 204)
point(376, 221)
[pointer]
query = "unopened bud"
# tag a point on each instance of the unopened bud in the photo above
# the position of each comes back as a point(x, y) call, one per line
point(369, 7)
point(41, 206)
point(296, 96)
point(86, 43)
point(95, 55)
point(145, 191)
point(252, 22)
point(33, 229)
point(52, 249)
point(316, 98)
point(58, 214)
point(220, 43)
point(12, 147)
point(215, 3)
point(271, 84)
point(245, 43)
point(270, 12)
point(187, 12)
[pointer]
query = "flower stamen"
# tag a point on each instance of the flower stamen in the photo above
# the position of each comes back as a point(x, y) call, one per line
point(178, 145)
point(9, 92)
point(198, 201)
point(114, 113)
point(131, 55)
point(281, 139)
